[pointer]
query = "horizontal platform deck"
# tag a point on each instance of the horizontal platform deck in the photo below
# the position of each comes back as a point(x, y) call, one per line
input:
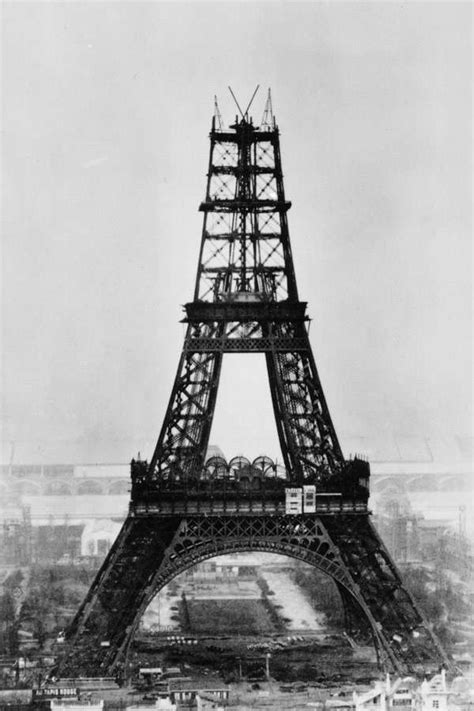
point(326, 504)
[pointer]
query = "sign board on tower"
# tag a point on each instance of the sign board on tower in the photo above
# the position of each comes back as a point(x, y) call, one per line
point(294, 501)
point(309, 498)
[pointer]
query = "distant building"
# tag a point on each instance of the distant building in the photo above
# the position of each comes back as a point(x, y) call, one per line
point(16, 536)
point(159, 705)
point(434, 694)
point(225, 567)
point(186, 692)
point(98, 537)
point(76, 705)
point(405, 694)
point(58, 541)
point(206, 703)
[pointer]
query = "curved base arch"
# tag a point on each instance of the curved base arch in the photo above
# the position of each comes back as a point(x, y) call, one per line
point(150, 551)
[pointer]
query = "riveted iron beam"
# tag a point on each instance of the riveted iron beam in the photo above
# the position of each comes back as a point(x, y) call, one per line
point(231, 236)
point(245, 205)
point(252, 136)
point(231, 311)
point(237, 171)
point(245, 345)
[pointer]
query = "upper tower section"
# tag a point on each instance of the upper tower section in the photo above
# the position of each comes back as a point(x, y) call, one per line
point(245, 250)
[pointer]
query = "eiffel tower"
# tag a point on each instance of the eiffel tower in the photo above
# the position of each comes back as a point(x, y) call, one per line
point(184, 508)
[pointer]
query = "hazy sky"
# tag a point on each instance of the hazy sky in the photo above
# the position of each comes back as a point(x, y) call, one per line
point(106, 109)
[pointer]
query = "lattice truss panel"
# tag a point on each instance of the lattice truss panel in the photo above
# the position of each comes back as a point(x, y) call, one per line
point(245, 227)
point(311, 441)
point(244, 336)
point(311, 449)
point(151, 552)
point(312, 446)
point(185, 433)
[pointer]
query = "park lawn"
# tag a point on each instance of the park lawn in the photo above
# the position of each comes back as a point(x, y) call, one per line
point(228, 616)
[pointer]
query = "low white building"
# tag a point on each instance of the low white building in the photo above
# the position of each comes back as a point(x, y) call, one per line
point(206, 703)
point(98, 537)
point(405, 694)
point(76, 705)
point(434, 693)
point(159, 705)
point(186, 691)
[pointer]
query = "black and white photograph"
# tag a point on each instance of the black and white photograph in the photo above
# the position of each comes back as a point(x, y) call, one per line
point(236, 355)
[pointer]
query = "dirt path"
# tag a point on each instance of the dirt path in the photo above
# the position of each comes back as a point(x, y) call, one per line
point(159, 612)
point(294, 604)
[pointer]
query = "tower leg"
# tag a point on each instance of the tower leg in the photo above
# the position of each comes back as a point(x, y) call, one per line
point(401, 624)
point(105, 620)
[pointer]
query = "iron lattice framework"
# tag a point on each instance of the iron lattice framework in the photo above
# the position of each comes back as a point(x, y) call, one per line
point(246, 300)
point(185, 509)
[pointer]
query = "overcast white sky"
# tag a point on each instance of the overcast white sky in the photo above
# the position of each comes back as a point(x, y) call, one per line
point(106, 110)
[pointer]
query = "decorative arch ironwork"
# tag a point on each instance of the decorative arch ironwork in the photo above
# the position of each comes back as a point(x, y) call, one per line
point(201, 538)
